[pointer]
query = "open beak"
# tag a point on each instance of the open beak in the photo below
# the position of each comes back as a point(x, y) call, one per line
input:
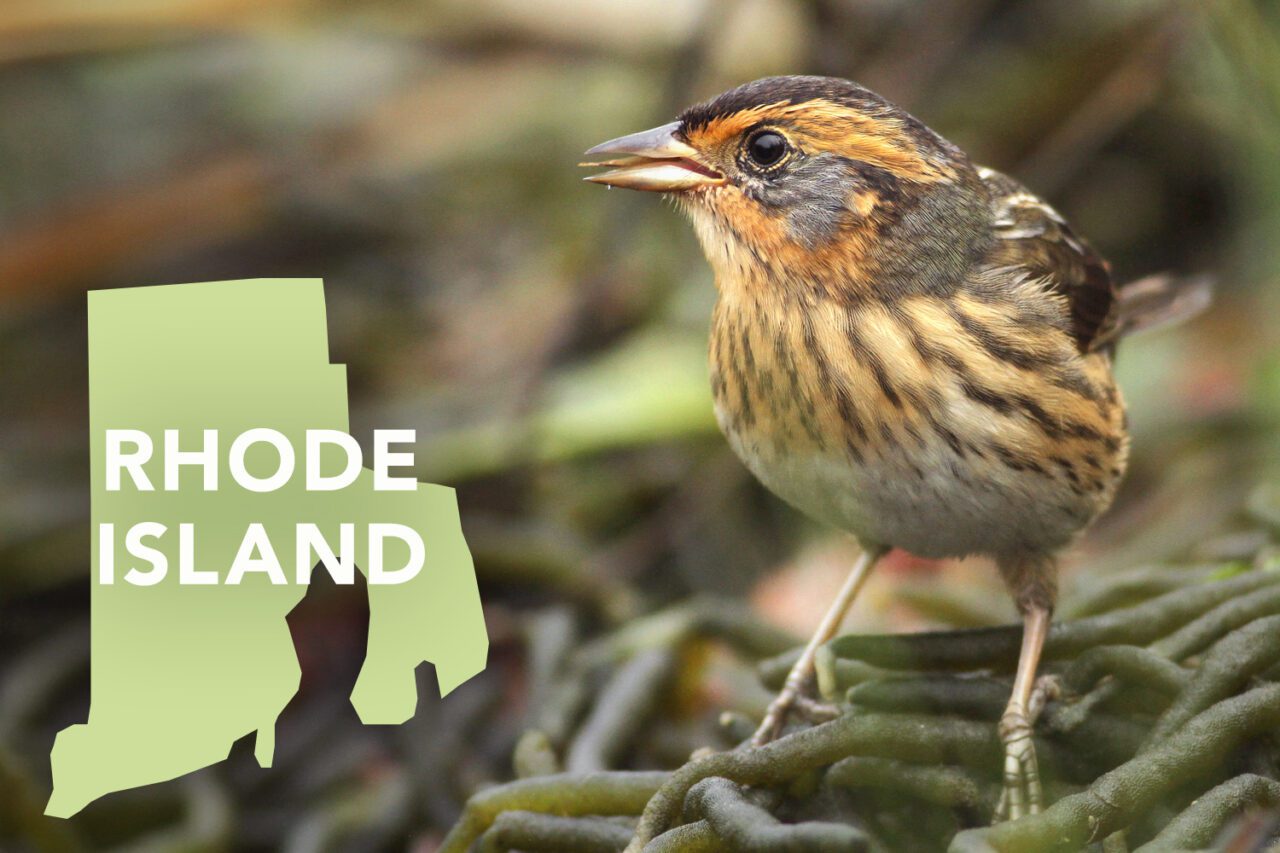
point(653, 160)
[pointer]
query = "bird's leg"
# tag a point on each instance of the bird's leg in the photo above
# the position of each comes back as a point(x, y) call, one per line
point(803, 667)
point(1022, 792)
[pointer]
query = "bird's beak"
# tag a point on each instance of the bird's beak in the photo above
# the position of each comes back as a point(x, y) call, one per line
point(654, 160)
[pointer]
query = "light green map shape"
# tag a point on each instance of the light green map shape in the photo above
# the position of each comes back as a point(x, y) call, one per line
point(180, 672)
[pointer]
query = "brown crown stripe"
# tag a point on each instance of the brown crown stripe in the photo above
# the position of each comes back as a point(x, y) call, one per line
point(822, 124)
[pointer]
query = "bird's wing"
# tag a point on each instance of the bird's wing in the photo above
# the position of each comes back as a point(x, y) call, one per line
point(1031, 235)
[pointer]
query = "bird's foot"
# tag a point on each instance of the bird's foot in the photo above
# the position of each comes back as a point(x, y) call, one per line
point(775, 717)
point(788, 704)
point(790, 698)
point(1022, 793)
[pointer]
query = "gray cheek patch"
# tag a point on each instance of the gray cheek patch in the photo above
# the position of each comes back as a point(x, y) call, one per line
point(813, 194)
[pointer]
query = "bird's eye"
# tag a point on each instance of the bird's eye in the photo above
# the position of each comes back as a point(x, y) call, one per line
point(766, 148)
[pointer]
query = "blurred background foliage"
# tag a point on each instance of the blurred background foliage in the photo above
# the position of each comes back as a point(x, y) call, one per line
point(547, 339)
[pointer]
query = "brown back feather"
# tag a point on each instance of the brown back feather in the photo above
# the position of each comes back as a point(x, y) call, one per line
point(1033, 236)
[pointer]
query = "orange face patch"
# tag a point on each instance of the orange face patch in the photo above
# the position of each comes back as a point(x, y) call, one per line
point(753, 249)
point(823, 125)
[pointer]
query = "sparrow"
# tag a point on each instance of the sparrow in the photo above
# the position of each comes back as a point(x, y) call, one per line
point(907, 346)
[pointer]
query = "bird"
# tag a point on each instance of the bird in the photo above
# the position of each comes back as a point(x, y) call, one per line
point(905, 345)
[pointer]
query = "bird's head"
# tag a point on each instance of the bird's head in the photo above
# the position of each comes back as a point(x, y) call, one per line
point(813, 182)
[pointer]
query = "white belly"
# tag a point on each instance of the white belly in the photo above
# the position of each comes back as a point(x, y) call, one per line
point(928, 500)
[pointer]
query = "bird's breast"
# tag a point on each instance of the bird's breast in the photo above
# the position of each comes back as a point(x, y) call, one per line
point(944, 427)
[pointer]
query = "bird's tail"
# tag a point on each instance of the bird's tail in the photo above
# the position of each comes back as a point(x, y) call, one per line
point(1161, 300)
